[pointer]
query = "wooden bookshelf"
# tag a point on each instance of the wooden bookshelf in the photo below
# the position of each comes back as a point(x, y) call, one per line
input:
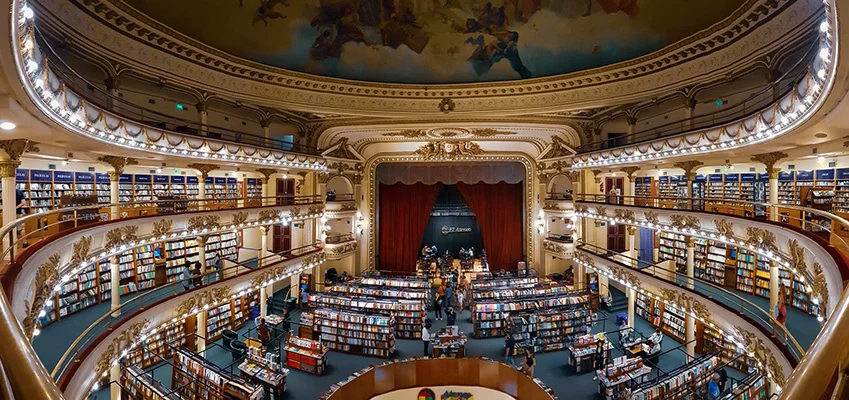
point(194, 377)
point(408, 313)
point(489, 317)
point(138, 385)
point(355, 333)
point(306, 355)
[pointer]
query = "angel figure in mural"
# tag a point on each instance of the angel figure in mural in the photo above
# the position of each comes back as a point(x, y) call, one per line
point(494, 48)
point(338, 22)
point(266, 10)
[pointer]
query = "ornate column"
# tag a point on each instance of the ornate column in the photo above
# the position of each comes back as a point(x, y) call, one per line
point(632, 301)
point(14, 149)
point(689, 107)
point(202, 255)
point(359, 217)
point(115, 376)
point(691, 261)
point(203, 115)
point(690, 332)
point(263, 253)
point(204, 170)
point(632, 243)
point(118, 164)
point(266, 191)
point(630, 181)
point(596, 190)
point(200, 340)
point(689, 168)
point(632, 122)
point(115, 281)
point(769, 160)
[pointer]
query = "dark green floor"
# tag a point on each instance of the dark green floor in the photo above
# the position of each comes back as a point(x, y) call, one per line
point(553, 368)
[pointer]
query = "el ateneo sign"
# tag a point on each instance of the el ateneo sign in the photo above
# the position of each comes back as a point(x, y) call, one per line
point(447, 230)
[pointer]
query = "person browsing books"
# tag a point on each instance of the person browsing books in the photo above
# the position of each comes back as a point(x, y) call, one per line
point(451, 316)
point(509, 349)
point(426, 337)
point(530, 361)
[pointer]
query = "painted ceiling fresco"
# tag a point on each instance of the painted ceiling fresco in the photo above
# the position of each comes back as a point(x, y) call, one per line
point(437, 41)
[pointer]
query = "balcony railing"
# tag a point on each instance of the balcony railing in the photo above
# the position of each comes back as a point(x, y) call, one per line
point(107, 322)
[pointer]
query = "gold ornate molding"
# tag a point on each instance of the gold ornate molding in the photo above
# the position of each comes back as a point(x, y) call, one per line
point(118, 164)
point(348, 206)
point(625, 275)
point(46, 278)
point(407, 133)
point(559, 148)
point(769, 160)
point(760, 238)
point(323, 178)
point(122, 235)
point(449, 149)
point(269, 214)
point(196, 302)
point(489, 132)
point(118, 345)
point(820, 288)
point(581, 208)
point(573, 175)
point(239, 218)
point(687, 303)
point(204, 222)
point(81, 250)
point(162, 227)
point(266, 174)
point(601, 211)
point(15, 148)
point(684, 221)
point(597, 175)
point(342, 150)
point(343, 248)
point(689, 168)
point(724, 228)
point(624, 214)
point(7, 168)
point(630, 171)
point(204, 169)
point(652, 217)
point(762, 355)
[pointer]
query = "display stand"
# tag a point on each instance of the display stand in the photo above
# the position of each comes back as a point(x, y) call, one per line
point(265, 371)
point(450, 342)
point(582, 350)
point(614, 377)
point(195, 377)
point(306, 355)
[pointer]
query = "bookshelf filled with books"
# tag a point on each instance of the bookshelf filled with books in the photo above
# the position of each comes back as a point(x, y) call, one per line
point(490, 316)
point(195, 377)
point(408, 313)
point(160, 346)
point(673, 247)
point(683, 382)
point(355, 332)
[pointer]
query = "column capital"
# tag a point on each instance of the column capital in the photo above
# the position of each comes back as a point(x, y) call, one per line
point(769, 160)
point(630, 171)
point(263, 229)
point(118, 164)
point(7, 168)
point(112, 83)
point(265, 122)
point(689, 168)
point(15, 148)
point(114, 176)
point(573, 175)
point(266, 174)
point(597, 175)
point(204, 169)
point(632, 120)
point(202, 106)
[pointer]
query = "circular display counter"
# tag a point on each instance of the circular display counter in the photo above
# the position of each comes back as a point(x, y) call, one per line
point(407, 378)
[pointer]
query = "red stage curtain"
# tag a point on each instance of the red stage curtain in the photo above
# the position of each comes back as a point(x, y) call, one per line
point(404, 213)
point(498, 209)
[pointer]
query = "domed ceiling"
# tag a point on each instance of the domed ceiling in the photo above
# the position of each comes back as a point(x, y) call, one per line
point(437, 41)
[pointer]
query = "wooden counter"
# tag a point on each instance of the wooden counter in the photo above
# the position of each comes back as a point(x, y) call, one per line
point(441, 372)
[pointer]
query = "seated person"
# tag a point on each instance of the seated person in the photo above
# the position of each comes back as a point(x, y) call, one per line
point(653, 344)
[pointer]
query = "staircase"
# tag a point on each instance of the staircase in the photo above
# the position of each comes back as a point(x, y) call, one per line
point(620, 301)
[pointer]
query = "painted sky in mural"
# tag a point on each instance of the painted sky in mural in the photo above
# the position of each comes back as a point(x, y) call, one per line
point(438, 41)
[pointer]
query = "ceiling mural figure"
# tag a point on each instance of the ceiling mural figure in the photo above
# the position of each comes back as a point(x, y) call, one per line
point(438, 41)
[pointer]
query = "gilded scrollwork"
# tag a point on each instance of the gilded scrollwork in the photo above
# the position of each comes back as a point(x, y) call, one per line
point(449, 149)
point(555, 248)
point(684, 221)
point(122, 235)
point(204, 222)
point(348, 206)
point(162, 227)
point(81, 249)
point(760, 238)
point(210, 296)
point(581, 208)
point(343, 248)
point(601, 211)
point(46, 278)
point(407, 133)
point(797, 256)
point(266, 215)
point(627, 215)
point(239, 218)
point(761, 353)
point(820, 287)
point(724, 228)
point(625, 275)
point(118, 345)
point(652, 217)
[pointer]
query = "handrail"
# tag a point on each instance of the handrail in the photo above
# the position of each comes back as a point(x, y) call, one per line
point(159, 294)
point(761, 316)
point(76, 212)
point(740, 110)
point(203, 130)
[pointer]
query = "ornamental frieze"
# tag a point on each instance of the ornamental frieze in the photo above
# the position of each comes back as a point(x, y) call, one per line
point(760, 238)
point(122, 235)
point(46, 278)
point(761, 353)
point(81, 250)
point(210, 296)
point(239, 218)
point(118, 345)
point(204, 222)
point(162, 227)
point(724, 228)
point(449, 149)
point(684, 221)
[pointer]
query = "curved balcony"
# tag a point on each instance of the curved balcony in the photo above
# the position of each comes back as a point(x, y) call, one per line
point(727, 313)
point(337, 247)
point(87, 359)
point(820, 244)
point(772, 118)
point(51, 90)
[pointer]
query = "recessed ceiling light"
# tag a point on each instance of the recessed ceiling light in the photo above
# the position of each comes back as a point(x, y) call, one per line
point(7, 126)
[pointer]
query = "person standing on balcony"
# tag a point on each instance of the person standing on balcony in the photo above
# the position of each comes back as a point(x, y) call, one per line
point(781, 307)
point(186, 277)
point(20, 203)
